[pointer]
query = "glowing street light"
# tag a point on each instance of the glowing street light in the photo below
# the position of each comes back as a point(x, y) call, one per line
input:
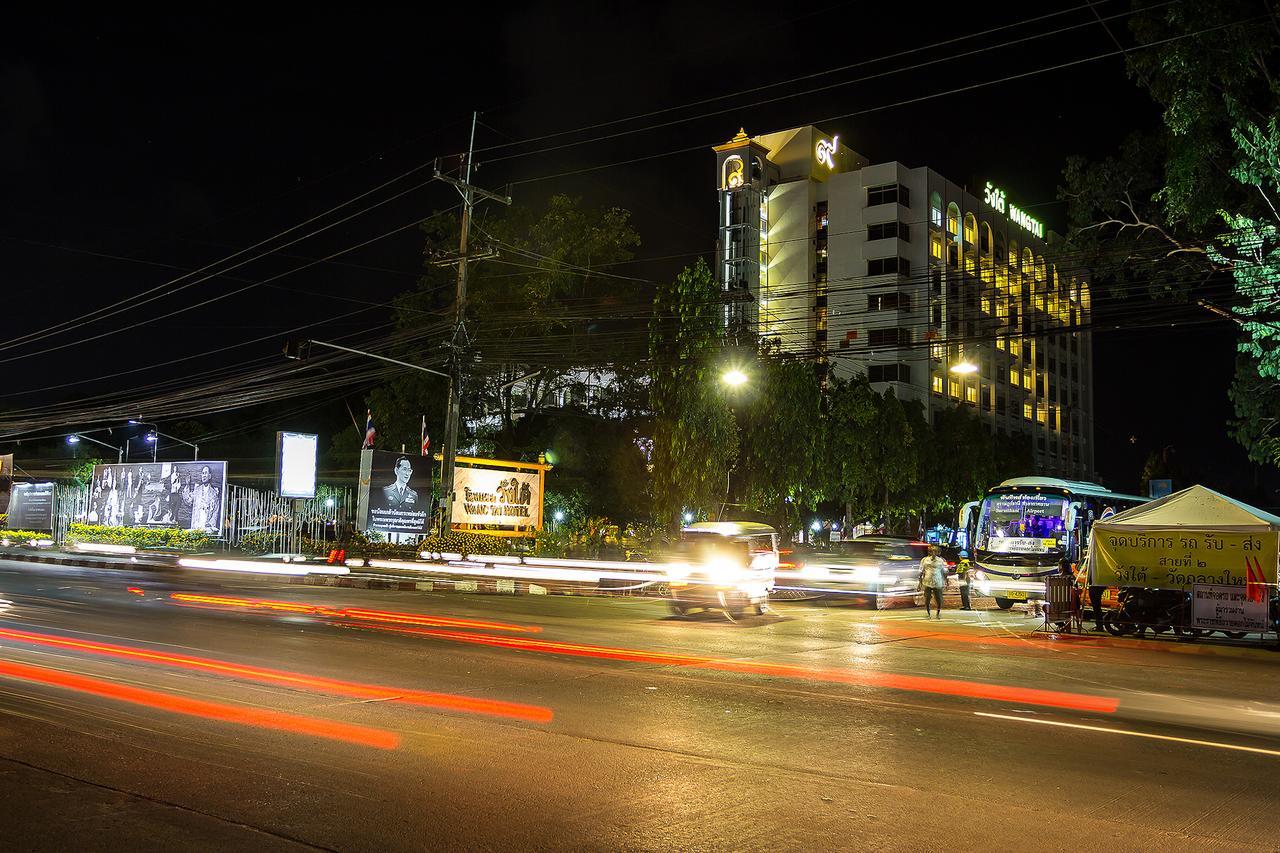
point(734, 378)
point(688, 518)
point(559, 515)
point(964, 368)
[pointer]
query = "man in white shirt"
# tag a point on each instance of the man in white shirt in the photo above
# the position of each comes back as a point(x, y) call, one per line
point(933, 580)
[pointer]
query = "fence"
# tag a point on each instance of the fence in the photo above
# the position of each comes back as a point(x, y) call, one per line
point(286, 521)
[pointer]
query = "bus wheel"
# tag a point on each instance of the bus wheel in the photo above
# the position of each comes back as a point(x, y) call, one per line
point(1004, 603)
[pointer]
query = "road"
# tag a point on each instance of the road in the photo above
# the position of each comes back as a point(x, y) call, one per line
point(153, 712)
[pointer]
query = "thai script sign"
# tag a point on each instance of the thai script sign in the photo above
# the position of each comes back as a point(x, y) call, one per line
point(1181, 559)
point(484, 496)
point(1227, 608)
point(998, 200)
point(825, 152)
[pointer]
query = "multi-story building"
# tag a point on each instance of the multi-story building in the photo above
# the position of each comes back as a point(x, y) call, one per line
point(897, 273)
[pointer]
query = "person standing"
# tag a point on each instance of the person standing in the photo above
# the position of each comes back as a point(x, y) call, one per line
point(933, 580)
point(964, 577)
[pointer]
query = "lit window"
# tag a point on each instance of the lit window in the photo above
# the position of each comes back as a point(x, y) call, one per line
point(955, 388)
point(971, 394)
point(937, 384)
point(1026, 380)
point(1014, 376)
point(1026, 410)
point(935, 246)
point(1015, 346)
point(1041, 414)
point(999, 341)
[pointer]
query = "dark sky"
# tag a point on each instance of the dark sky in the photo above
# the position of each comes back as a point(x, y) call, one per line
point(175, 140)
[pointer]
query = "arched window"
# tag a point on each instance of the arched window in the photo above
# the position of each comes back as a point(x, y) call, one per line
point(1040, 271)
point(935, 210)
point(970, 230)
point(1013, 253)
point(757, 171)
point(984, 240)
point(953, 219)
point(1028, 261)
point(999, 254)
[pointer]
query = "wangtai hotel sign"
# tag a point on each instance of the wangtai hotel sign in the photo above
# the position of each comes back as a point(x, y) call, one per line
point(995, 197)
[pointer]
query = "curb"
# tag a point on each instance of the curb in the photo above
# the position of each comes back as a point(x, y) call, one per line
point(1174, 646)
point(80, 562)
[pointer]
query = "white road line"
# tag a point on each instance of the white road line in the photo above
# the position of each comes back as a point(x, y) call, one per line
point(1108, 730)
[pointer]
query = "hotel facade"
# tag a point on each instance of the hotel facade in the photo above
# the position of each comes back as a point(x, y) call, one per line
point(900, 275)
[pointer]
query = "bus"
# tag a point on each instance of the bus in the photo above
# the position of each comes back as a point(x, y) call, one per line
point(1022, 528)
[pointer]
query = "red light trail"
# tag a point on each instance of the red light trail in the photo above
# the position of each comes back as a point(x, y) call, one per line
point(915, 683)
point(439, 701)
point(363, 614)
point(266, 719)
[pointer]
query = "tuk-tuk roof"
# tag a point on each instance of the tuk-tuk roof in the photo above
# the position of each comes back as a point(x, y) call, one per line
point(730, 528)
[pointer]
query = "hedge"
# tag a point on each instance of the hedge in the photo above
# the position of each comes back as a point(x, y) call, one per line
point(21, 537)
point(140, 537)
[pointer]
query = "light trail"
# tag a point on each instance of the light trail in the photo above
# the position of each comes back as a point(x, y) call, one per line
point(913, 683)
point(364, 614)
point(258, 718)
point(438, 701)
point(1108, 730)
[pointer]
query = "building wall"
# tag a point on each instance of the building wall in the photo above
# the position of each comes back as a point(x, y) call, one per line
point(905, 289)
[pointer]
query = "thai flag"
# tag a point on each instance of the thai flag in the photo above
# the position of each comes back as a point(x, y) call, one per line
point(369, 432)
point(426, 439)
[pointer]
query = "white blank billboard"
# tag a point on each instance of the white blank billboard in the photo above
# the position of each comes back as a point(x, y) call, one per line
point(296, 455)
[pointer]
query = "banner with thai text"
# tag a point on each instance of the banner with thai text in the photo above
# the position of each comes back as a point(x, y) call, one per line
point(1180, 559)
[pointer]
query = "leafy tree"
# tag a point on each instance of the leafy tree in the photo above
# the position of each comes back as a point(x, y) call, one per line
point(850, 418)
point(1167, 213)
point(893, 457)
point(533, 317)
point(695, 436)
point(782, 440)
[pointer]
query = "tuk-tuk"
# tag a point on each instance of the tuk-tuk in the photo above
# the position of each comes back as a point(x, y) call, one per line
point(723, 565)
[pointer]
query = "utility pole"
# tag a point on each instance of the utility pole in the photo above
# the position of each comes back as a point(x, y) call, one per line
point(459, 343)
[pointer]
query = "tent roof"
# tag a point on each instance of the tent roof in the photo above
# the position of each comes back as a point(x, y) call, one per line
point(1194, 507)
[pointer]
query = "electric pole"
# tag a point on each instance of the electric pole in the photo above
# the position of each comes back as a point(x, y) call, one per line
point(460, 342)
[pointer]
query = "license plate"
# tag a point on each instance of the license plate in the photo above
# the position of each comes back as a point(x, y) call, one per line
point(1014, 595)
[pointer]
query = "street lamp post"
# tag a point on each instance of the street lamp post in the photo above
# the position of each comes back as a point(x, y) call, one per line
point(156, 435)
point(76, 438)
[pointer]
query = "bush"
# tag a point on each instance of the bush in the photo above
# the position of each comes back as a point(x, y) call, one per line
point(21, 537)
point(140, 537)
point(359, 545)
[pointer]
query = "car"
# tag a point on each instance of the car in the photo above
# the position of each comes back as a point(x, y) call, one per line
point(882, 570)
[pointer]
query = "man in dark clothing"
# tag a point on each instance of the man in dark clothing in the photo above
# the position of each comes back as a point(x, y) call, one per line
point(1095, 597)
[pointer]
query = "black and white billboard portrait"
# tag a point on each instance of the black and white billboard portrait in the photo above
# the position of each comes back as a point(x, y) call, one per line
point(186, 495)
point(395, 494)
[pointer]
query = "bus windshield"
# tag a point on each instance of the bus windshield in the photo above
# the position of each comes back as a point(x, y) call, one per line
point(1022, 523)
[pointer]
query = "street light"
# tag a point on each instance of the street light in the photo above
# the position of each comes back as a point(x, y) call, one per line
point(733, 377)
point(688, 518)
point(964, 368)
point(76, 438)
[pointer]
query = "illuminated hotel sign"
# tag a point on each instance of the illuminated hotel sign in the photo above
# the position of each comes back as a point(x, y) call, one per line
point(825, 152)
point(995, 197)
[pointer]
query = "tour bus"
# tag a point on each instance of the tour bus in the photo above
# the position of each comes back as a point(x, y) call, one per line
point(1022, 528)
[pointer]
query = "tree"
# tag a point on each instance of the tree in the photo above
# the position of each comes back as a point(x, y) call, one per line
point(850, 418)
point(1168, 214)
point(782, 437)
point(892, 463)
point(695, 436)
point(534, 317)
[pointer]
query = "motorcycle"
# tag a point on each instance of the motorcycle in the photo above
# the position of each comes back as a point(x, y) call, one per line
point(1160, 610)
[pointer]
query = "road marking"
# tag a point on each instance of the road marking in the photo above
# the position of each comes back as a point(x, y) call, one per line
point(1108, 730)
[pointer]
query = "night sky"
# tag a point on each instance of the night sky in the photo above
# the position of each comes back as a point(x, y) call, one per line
point(175, 140)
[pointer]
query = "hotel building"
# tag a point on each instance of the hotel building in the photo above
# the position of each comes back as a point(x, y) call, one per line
point(898, 274)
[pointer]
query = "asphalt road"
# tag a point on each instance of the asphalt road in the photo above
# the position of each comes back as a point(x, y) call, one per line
point(147, 713)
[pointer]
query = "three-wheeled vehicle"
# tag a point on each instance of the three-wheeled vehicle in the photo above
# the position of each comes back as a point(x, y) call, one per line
point(723, 565)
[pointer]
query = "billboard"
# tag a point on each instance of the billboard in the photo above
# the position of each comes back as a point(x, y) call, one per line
point(296, 464)
point(395, 494)
point(496, 498)
point(31, 507)
point(186, 495)
point(6, 481)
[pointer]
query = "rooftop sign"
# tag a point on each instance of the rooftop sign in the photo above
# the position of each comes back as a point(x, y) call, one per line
point(995, 197)
point(825, 151)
